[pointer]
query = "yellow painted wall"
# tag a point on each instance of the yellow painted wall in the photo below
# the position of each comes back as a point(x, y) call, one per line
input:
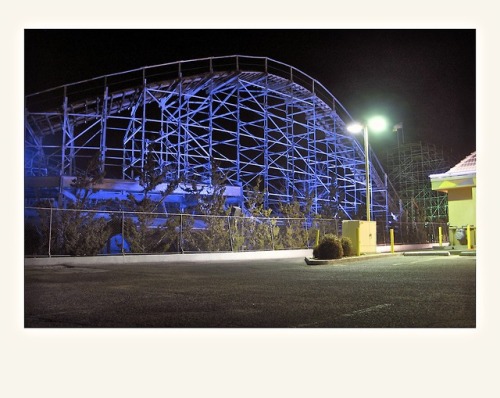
point(462, 206)
point(453, 183)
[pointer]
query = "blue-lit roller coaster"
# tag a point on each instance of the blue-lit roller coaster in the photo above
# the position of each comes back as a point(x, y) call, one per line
point(259, 119)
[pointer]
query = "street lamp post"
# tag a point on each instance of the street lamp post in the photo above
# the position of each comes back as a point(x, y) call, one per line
point(377, 123)
point(367, 169)
point(361, 232)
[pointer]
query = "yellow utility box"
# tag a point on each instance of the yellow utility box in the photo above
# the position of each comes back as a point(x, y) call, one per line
point(367, 235)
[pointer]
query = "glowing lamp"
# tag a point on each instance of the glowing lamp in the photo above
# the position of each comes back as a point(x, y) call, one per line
point(355, 128)
point(376, 124)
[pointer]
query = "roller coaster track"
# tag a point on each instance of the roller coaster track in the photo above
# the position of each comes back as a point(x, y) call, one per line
point(255, 116)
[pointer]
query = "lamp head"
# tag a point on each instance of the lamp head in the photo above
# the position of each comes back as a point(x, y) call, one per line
point(355, 128)
point(377, 124)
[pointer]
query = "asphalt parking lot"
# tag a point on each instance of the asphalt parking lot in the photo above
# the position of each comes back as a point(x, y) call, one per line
point(382, 292)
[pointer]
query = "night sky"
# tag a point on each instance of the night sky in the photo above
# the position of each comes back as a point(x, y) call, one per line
point(424, 78)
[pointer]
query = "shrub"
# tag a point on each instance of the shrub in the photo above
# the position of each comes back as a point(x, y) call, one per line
point(329, 248)
point(315, 251)
point(73, 232)
point(32, 240)
point(347, 246)
point(79, 234)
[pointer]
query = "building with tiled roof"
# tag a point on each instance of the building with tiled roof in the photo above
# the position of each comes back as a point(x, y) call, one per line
point(460, 184)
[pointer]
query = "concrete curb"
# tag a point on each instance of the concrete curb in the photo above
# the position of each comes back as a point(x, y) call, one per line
point(166, 258)
point(429, 253)
point(409, 247)
point(213, 257)
point(470, 253)
point(344, 260)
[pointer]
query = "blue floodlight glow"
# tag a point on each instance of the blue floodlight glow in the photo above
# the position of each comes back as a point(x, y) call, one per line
point(253, 116)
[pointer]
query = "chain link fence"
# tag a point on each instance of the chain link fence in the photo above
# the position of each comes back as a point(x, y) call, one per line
point(78, 232)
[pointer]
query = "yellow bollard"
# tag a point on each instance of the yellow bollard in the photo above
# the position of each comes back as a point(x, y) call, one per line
point(358, 242)
point(317, 237)
point(469, 243)
point(440, 234)
point(392, 239)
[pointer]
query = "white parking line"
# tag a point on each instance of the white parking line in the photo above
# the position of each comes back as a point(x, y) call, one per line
point(423, 260)
point(369, 309)
point(354, 313)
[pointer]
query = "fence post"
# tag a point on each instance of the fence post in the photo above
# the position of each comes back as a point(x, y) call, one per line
point(317, 238)
point(230, 233)
point(440, 235)
point(180, 236)
point(391, 231)
point(307, 233)
point(50, 230)
point(272, 232)
point(123, 233)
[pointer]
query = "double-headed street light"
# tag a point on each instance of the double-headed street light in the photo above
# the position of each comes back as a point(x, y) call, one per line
point(376, 124)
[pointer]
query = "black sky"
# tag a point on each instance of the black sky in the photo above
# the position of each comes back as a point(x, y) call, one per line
point(424, 78)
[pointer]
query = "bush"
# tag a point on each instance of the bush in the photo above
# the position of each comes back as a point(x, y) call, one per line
point(32, 240)
point(315, 252)
point(79, 234)
point(329, 248)
point(347, 246)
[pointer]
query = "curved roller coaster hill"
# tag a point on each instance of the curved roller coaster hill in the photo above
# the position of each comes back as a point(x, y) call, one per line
point(257, 118)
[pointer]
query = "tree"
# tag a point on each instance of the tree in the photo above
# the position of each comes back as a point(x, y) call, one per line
point(210, 210)
point(144, 230)
point(79, 229)
point(326, 221)
point(260, 229)
point(293, 233)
